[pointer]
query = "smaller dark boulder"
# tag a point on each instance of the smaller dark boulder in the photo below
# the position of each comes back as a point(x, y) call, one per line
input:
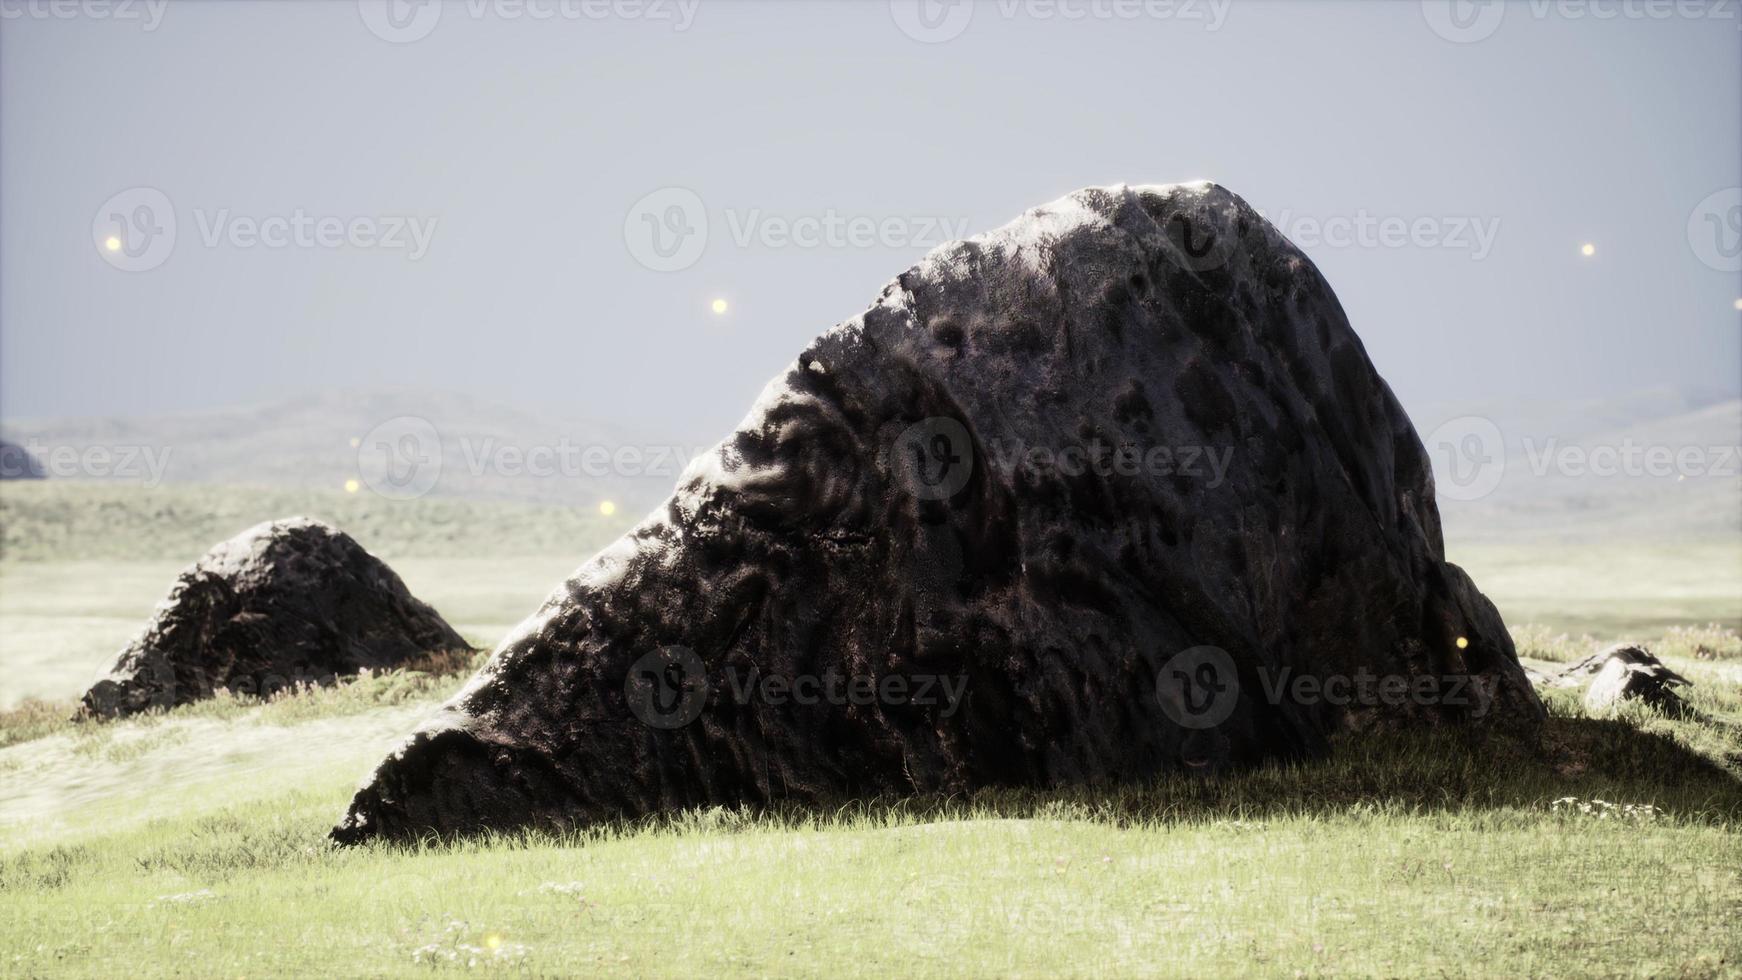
point(16, 463)
point(1630, 673)
point(287, 603)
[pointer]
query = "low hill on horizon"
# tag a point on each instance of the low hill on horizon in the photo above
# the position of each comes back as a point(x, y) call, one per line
point(1658, 463)
point(1651, 465)
point(402, 443)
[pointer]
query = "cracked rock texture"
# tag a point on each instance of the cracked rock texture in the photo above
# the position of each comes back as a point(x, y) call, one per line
point(287, 602)
point(1117, 474)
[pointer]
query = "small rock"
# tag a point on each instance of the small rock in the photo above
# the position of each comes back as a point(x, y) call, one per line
point(16, 463)
point(287, 603)
point(1630, 673)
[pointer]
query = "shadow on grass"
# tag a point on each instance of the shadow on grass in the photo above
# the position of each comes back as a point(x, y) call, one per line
point(1458, 772)
point(1474, 779)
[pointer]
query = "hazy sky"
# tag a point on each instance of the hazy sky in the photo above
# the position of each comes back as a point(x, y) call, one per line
point(522, 139)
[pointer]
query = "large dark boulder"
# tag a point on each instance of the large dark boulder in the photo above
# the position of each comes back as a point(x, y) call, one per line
point(287, 603)
point(1111, 491)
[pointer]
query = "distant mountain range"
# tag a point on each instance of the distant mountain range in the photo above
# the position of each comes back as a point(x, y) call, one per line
point(1659, 463)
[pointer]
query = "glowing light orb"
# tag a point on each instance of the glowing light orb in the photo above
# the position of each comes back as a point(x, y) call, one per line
point(607, 508)
point(1588, 250)
point(1737, 304)
point(352, 486)
point(492, 940)
point(1463, 642)
point(355, 442)
point(112, 243)
point(719, 306)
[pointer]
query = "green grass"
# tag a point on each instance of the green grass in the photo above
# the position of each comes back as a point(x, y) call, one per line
point(72, 520)
point(1422, 852)
point(1414, 854)
point(192, 842)
point(1709, 642)
point(425, 684)
point(1613, 589)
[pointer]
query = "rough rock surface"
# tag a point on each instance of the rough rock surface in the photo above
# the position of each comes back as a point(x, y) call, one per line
point(1630, 673)
point(287, 602)
point(928, 492)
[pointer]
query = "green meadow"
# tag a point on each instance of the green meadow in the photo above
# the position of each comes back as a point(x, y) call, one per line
point(192, 843)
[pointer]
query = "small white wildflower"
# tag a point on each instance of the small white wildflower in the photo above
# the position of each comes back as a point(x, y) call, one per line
point(1605, 810)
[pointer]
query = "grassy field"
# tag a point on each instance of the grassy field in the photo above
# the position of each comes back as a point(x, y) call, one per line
point(1607, 588)
point(83, 564)
point(70, 520)
point(1425, 853)
point(192, 843)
